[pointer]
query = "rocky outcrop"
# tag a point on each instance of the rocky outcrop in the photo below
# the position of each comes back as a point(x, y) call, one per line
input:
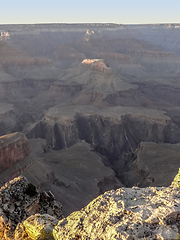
point(137, 213)
point(176, 181)
point(125, 213)
point(36, 227)
point(19, 200)
point(13, 148)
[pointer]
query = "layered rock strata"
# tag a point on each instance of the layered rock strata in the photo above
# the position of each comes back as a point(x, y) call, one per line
point(13, 148)
point(110, 131)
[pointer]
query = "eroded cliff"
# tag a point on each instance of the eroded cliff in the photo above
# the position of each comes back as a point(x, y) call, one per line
point(152, 164)
point(13, 148)
point(111, 131)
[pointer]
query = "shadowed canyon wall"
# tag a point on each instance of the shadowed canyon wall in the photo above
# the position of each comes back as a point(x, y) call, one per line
point(110, 136)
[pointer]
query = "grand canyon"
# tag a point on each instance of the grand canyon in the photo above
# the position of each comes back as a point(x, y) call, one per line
point(91, 111)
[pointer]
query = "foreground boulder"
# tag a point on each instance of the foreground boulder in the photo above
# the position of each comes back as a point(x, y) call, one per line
point(19, 200)
point(37, 226)
point(127, 213)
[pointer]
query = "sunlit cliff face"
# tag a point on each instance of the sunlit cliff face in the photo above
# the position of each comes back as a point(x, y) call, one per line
point(96, 65)
point(89, 61)
point(4, 35)
point(88, 34)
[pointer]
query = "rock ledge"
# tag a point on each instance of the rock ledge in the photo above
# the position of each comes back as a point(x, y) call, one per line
point(127, 213)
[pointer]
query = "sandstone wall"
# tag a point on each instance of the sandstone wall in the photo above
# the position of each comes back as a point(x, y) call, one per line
point(13, 148)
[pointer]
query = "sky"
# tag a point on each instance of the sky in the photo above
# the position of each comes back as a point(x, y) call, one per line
point(89, 11)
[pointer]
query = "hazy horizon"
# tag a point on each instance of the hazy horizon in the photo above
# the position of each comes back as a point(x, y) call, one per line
point(118, 12)
point(84, 23)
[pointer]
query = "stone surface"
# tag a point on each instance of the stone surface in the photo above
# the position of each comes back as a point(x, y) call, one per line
point(13, 148)
point(176, 181)
point(36, 227)
point(18, 200)
point(127, 213)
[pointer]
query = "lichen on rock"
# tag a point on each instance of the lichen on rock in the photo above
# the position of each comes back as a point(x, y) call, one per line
point(176, 181)
point(127, 213)
point(19, 200)
point(37, 227)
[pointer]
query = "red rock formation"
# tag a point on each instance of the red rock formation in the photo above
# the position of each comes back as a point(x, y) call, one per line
point(13, 148)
